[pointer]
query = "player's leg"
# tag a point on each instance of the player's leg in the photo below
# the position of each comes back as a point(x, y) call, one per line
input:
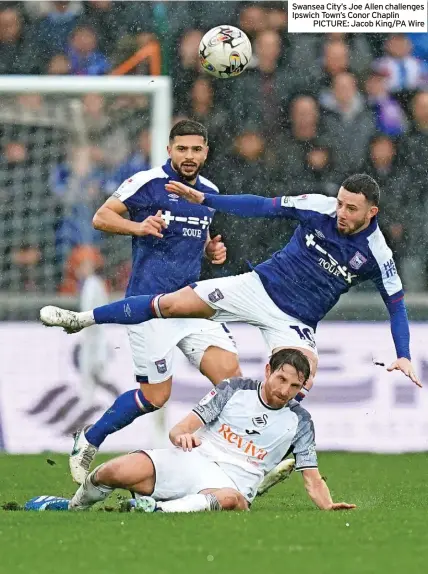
point(211, 348)
point(130, 311)
point(128, 471)
point(152, 346)
point(121, 472)
point(204, 501)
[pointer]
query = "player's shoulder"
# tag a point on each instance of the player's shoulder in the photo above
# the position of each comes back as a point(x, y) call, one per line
point(239, 384)
point(303, 415)
point(316, 202)
point(378, 246)
point(138, 181)
point(209, 186)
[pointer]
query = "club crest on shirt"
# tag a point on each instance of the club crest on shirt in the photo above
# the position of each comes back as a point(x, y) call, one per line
point(260, 422)
point(357, 261)
point(161, 366)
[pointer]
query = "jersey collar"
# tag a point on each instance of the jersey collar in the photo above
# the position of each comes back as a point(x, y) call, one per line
point(175, 176)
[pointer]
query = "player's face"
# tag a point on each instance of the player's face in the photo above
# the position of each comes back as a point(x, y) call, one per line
point(188, 155)
point(354, 212)
point(282, 385)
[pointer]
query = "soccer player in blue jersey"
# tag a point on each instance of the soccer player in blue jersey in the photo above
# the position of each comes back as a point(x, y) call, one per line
point(337, 245)
point(169, 239)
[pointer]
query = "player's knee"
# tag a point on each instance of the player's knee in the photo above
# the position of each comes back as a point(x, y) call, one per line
point(230, 365)
point(231, 499)
point(157, 394)
point(169, 305)
point(108, 473)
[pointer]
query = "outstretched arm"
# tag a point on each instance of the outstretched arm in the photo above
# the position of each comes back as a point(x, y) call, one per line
point(298, 207)
point(319, 492)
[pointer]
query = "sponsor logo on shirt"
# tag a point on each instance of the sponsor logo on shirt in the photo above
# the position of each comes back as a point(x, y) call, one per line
point(331, 265)
point(245, 446)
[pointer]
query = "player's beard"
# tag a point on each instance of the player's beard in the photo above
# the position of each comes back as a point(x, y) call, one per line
point(350, 229)
point(188, 175)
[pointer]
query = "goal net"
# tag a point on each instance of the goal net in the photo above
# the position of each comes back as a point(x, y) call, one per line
point(66, 144)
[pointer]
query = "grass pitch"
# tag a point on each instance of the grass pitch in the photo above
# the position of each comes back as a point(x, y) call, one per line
point(283, 532)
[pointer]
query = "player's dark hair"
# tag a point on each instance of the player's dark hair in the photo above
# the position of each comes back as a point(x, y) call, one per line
point(292, 357)
point(363, 183)
point(188, 128)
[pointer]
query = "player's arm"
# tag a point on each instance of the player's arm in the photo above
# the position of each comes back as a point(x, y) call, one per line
point(319, 492)
point(205, 412)
point(246, 205)
point(182, 434)
point(303, 446)
point(110, 218)
point(388, 283)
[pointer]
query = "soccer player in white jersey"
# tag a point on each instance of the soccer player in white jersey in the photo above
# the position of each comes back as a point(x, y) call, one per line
point(224, 448)
point(169, 239)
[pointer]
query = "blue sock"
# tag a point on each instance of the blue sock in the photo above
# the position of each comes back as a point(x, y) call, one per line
point(129, 311)
point(125, 409)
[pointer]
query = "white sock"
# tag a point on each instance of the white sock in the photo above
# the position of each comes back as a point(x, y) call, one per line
point(88, 494)
point(87, 318)
point(191, 503)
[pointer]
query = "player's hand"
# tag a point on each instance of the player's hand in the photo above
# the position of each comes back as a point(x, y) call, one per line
point(187, 441)
point(185, 191)
point(152, 225)
point(216, 250)
point(405, 366)
point(342, 506)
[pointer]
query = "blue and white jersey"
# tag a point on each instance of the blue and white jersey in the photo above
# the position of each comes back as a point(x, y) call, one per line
point(307, 277)
point(165, 265)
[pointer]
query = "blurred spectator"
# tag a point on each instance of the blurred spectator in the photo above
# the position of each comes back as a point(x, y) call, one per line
point(260, 95)
point(253, 20)
point(75, 267)
point(405, 74)
point(276, 16)
point(335, 61)
point(419, 45)
point(389, 116)
point(54, 29)
point(414, 144)
point(187, 69)
point(243, 171)
point(359, 52)
point(349, 124)
point(26, 268)
point(138, 160)
point(59, 65)
point(84, 57)
point(215, 118)
point(18, 55)
point(319, 175)
point(102, 17)
point(299, 139)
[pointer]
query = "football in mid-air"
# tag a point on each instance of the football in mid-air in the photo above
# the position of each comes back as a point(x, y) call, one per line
point(225, 51)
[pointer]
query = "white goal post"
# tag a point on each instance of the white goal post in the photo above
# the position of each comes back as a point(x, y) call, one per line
point(157, 86)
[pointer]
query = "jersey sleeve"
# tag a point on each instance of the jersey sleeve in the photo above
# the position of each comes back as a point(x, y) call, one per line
point(210, 407)
point(303, 444)
point(302, 207)
point(132, 191)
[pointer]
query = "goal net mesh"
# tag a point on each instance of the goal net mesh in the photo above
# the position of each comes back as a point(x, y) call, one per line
point(61, 157)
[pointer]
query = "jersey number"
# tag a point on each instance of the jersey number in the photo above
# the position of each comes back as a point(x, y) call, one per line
point(304, 334)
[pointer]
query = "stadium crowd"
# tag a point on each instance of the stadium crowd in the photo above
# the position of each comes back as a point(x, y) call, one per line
point(311, 110)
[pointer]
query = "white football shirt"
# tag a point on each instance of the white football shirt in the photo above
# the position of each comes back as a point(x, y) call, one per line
point(247, 438)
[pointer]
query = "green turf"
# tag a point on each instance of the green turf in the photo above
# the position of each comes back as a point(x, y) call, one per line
point(283, 532)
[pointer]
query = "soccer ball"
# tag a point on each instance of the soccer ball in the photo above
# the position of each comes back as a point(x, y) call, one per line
point(225, 51)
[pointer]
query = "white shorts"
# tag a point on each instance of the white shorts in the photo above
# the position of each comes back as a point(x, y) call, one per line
point(180, 473)
point(153, 345)
point(243, 298)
